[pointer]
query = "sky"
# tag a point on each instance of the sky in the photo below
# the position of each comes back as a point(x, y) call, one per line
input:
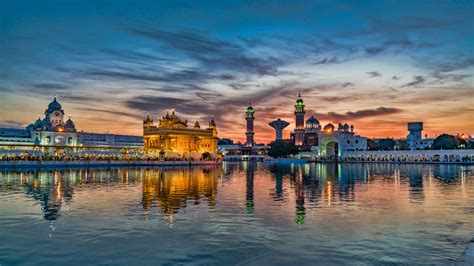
point(374, 64)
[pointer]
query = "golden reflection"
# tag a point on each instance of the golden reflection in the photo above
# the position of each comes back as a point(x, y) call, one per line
point(58, 191)
point(300, 195)
point(173, 189)
point(329, 192)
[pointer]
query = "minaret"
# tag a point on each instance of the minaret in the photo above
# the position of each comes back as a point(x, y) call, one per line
point(279, 125)
point(299, 121)
point(250, 118)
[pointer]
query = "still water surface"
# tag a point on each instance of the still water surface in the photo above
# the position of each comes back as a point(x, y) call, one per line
point(238, 213)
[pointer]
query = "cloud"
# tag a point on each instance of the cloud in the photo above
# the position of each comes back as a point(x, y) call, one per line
point(411, 23)
point(417, 80)
point(325, 61)
point(373, 50)
point(395, 77)
point(11, 124)
point(374, 74)
point(458, 65)
point(114, 113)
point(441, 78)
point(211, 53)
point(333, 116)
point(347, 84)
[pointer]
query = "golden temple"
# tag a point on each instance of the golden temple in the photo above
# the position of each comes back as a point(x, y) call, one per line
point(172, 137)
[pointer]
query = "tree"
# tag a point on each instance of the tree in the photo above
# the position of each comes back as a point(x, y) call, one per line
point(470, 144)
point(387, 144)
point(448, 142)
point(371, 144)
point(381, 144)
point(403, 144)
point(282, 149)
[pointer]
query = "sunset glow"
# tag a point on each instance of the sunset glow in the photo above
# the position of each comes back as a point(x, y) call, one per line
point(376, 65)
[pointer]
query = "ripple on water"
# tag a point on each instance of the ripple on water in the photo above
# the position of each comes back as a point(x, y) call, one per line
point(238, 214)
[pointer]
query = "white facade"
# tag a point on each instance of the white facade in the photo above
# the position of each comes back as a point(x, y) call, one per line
point(52, 131)
point(415, 137)
point(15, 136)
point(97, 139)
point(336, 144)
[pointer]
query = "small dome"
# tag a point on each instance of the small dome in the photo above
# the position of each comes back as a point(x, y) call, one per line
point(312, 120)
point(148, 119)
point(329, 127)
point(54, 106)
point(299, 101)
point(212, 123)
point(69, 123)
point(346, 127)
point(38, 123)
point(196, 125)
point(249, 108)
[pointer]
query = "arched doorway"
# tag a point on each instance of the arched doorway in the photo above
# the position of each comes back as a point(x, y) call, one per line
point(329, 148)
point(332, 149)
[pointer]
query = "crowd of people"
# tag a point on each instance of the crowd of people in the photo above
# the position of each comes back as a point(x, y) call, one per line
point(108, 157)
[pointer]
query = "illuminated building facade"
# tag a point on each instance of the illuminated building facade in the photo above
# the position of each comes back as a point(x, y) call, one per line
point(53, 135)
point(325, 141)
point(172, 137)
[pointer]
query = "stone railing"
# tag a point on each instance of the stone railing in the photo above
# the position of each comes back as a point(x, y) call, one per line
point(412, 156)
point(80, 163)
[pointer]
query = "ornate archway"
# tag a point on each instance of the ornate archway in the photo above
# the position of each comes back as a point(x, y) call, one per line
point(329, 148)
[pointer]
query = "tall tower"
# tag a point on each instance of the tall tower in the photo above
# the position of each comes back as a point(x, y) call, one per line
point(278, 125)
point(299, 121)
point(415, 129)
point(250, 118)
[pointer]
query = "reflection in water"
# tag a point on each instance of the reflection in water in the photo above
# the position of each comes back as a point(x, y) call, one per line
point(50, 189)
point(249, 175)
point(344, 213)
point(415, 177)
point(169, 190)
point(278, 172)
point(299, 191)
point(172, 189)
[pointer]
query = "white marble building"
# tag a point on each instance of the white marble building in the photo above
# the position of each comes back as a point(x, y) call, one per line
point(54, 133)
point(324, 141)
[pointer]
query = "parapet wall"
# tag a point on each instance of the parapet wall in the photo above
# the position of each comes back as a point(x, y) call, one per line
point(411, 156)
point(94, 163)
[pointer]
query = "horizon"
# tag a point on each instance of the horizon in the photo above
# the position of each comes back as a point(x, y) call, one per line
point(377, 65)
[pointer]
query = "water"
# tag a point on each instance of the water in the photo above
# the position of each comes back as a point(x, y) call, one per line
point(238, 213)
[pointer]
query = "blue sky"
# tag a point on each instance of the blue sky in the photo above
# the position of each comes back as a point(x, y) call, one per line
point(376, 64)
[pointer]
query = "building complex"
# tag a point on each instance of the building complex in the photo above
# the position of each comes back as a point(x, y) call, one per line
point(52, 135)
point(172, 137)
